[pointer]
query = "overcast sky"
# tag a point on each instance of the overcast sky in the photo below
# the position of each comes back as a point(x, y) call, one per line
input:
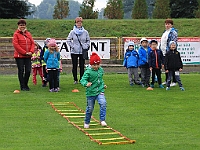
point(98, 4)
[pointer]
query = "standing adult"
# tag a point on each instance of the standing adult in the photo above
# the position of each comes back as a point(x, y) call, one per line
point(170, 34)
point(24, 47)
point(78, 40)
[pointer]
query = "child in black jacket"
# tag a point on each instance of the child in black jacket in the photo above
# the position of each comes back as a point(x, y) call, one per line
point(156, 62)
point(173, 63)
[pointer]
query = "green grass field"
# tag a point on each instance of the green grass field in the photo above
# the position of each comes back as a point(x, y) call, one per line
point(157, 120)
point(102, 28)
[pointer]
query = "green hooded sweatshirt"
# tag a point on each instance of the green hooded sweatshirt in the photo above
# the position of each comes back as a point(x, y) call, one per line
point(96, 78)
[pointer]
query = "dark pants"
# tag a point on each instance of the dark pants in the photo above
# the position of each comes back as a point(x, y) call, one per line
point(173, 77)
point(53, 79)
point(166, 76)
point(145, 75)
point(156, 72)
point(177, 78)
point(24, 71)
point(58, 78)
point(75, 65)
point(45, 75)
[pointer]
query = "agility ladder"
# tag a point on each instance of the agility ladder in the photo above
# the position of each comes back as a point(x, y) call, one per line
point(74, 115)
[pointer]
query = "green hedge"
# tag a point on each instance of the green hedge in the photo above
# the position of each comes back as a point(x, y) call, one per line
point(103, 28)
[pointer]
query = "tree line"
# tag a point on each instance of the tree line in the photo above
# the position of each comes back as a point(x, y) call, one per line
point(157, 9)
point(115, 9)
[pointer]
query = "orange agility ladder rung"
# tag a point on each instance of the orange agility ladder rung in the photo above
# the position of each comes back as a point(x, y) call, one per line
point(74, 116)
point(120, 142)
point(92, 124)
point(76, 122)
point(68, 110)
point(110, 139)
point(73, 113)
point(107, 133)
point(95, 129)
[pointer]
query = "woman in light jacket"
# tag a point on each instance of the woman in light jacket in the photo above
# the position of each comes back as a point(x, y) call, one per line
point(78, 39)
point(170, 34)
point(24, 47)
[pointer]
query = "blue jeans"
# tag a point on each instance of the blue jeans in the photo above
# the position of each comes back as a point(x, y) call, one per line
point(90, 107)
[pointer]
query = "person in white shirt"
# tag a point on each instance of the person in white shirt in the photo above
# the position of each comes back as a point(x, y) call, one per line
point(170, 34)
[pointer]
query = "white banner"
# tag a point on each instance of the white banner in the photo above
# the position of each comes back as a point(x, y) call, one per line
point(189, 48)
point(101, 47)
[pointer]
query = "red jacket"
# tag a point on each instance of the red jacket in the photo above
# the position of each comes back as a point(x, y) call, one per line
point(23, 43)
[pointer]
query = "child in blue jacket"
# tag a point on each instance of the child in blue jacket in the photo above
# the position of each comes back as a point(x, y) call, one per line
point(156, 63)
point(144, 52)
point(51, 58)
point(131, 63)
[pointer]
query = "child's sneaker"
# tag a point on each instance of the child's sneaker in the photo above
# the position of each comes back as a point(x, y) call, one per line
point(86, 126)
point(103, 123)
point(55, 90)
point(173, 84)
point(167, 88)
point(58, 89)
point(164, 83)
point(51, 90)
point(152, 85)
point(182, 89)
point(161, 86)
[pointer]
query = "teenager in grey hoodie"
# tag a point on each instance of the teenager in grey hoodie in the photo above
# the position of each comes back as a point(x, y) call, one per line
point(78, 39)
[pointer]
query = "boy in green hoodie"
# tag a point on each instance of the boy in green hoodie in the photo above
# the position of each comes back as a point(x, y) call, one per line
point(92, 79)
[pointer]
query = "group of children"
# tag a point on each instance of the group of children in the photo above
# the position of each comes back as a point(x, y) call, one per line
point(47, 63)
point(150, 60)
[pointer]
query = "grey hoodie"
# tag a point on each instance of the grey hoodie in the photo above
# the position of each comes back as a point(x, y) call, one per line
point(74, 44)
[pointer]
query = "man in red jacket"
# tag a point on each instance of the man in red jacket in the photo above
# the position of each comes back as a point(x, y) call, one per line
point(24, 47)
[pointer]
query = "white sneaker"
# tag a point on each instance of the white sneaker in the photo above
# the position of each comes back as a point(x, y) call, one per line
point(86, 126)
point(163, 83)
point(173, 84)
point(103, 123)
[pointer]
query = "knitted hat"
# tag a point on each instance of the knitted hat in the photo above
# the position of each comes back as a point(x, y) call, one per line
point(78, 19)
point(47, 41)
point(153, 41)
point(52, 43)
point(143, 39)
point(171, 42)
point(94, 59)
point(131, 43)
